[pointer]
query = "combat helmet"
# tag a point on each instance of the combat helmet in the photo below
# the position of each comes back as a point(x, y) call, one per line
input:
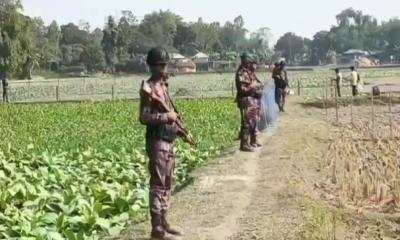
point(248, 58)
point(157, 55)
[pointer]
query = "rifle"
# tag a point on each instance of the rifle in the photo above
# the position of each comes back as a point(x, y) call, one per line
point(187, 136)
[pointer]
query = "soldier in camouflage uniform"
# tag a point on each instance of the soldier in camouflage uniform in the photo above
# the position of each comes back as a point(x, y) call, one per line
point(249, 93)
point(279, 75)
point(160, 135)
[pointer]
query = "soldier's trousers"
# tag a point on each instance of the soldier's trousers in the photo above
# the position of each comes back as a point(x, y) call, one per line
point(354, 90)
point(161, 168)
point(5, 95)
point(250, 112)
point(338, 92)
point(280, 97)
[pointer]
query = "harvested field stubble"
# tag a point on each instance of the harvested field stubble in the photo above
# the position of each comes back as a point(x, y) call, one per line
point(365, 169)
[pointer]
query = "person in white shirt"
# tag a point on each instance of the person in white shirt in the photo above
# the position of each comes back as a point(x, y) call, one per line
point(355, 80)
point(338, 80)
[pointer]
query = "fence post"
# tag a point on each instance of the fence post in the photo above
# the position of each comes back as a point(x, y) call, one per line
point(57, 94)
point(351, 110)
point(233, 89)
point(337, 105)
point(29, 89)
point(390, 114)
point(298, 87)
point(112, 92)
point(373, 113)
point(324, 103)
point(326, 89)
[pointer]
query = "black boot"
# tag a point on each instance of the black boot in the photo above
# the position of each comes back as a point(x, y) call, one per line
point(245, 142)
point(157, 232)
point(168, 228)
point(254, 142)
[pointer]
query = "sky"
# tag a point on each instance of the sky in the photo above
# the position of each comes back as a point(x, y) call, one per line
point(303, 17)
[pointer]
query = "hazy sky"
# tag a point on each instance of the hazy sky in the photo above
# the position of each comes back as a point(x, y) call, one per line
point(304, 17)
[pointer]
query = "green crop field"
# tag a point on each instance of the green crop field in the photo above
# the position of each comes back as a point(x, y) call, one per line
point(78, 171)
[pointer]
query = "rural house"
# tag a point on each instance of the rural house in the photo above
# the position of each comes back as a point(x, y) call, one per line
point(202, 61)
point(181, 64)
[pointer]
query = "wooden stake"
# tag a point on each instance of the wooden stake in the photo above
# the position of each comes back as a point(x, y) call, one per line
point(323, 102)
point(337, 105)
point(112, 92)
point(57, 94)
point(373, 114)
point(326, 89)
point(390, 114)
point(233, 89)
point(298, 87)
point(351, 110)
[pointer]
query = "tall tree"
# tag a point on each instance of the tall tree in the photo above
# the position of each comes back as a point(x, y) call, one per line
point(259, 43)
point(185, 38)
point(93, 57)
point(160, 27)
point(10, 21)
point(291, 47)
point(71, 34)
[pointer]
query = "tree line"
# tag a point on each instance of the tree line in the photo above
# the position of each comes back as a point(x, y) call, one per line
point(354, 30)
point(27, 43)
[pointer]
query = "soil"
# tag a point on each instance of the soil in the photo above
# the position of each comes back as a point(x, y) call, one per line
point(273, 193)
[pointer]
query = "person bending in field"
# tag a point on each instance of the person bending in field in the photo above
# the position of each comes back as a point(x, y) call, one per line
point(160, 136)
point(249, 92)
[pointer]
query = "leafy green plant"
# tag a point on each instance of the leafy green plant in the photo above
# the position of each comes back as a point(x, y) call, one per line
point(79, 171)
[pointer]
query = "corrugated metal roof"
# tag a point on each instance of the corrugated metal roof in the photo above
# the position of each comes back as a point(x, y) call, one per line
point(177, 56)
point(356, 51)
point(201, 55)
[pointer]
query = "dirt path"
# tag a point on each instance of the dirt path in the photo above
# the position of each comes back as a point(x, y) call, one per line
point(260, 195)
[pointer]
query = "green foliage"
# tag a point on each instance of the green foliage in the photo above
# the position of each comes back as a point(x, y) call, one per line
point(79, 171)
point(291, 47)
point(93, 57)
point(318, 223)
point(26, 42)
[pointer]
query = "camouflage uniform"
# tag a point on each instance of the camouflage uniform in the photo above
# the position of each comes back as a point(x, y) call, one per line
point(160, 136)
point(248, 99)
point(259, 104)
point(280, 85)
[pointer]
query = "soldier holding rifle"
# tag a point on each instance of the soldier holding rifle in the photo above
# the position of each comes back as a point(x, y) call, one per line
point(164, 125)
point(249, 94)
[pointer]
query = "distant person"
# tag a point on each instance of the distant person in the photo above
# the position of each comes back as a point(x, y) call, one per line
point(280, 79)
point(355, 81)
point(286, 84)
point(4, 84)
point(249, 93)
point(338, 81)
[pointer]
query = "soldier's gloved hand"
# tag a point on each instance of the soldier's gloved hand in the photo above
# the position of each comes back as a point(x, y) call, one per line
point(172, 116)
point(258, 94)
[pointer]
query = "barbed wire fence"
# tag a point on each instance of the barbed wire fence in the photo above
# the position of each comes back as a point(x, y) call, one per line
point(105, 89)
point(377, 112)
